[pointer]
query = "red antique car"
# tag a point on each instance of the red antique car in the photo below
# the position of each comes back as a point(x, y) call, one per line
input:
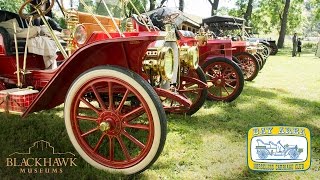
point(113, 116)
point(251, 56)
point(224, 78)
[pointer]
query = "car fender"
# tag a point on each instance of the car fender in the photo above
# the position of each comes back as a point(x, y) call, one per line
point(123, 52)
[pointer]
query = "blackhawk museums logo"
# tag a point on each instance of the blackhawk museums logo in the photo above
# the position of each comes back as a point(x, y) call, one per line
point(41, 158)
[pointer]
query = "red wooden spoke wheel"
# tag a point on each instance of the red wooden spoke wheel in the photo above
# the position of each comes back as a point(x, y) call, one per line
point(224, 79)
point(115, 120)
point(248, 64)
point(192, 90)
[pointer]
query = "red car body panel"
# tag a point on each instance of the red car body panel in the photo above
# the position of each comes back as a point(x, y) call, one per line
point(239, 46)
point(125, 52)
point(213, 48)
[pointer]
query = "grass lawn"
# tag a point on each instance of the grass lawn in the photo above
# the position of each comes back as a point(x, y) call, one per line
point(209, 145)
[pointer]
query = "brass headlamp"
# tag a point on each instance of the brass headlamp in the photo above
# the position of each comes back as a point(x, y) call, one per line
point(202, 37)
point(189, 56)
point(160, 61)
point(75, 32)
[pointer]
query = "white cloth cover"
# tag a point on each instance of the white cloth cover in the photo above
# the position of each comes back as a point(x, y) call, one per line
point(45, 47)
point(8, 25)
point(33, 32)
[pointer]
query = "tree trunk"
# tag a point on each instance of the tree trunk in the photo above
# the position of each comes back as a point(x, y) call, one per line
point(162, 2)
point(152, 5)
point(284, 20)
point(247, 15)
point(181, 5)
point(214, 6)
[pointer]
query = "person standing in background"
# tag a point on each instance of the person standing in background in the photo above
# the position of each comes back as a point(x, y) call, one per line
point(294, 45)
point(299, 46)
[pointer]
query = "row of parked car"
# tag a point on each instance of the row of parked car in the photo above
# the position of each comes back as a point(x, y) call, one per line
point(116, 85)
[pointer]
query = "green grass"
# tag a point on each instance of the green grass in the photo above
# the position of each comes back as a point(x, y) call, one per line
point(209, 145)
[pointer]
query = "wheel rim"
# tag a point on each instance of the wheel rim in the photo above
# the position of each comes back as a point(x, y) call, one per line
point(222, 79)
point(248, 66)
point(191, 90)
point(111, 131)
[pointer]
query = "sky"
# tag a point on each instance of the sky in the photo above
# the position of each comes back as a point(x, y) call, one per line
point(200, 7)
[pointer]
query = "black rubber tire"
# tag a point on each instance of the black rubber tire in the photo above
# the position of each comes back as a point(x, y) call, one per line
point(235, 60)
point(236, 69)
point(274, 49)
point(255, 63)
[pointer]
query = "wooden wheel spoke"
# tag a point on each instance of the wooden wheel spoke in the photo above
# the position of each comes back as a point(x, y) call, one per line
point(226, 90)
point(89, 132)
point(210, 76)
point(225, 70)
point(190, 90)
point(124, 148)
point(125, 96)
point(211, 85)
point(111, 148)
point(137, 126)
point(134, 140)
point(220, 91)
point(100, 101)
point(89, 105)
point(231, 80)
point(111, 105)
point(229, 85)
point(87, 118)
point(99, 143)
point(134, 114)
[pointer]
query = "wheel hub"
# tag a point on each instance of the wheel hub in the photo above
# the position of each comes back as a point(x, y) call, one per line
point(110, 123)
point(104, 126)
point(219, 81)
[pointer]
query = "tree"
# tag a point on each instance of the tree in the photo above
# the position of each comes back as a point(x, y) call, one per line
point(316, 5)
point(284, 19)
point(214, 6)
point(247, 15)
point(152, 4)
point(162, 3)
point(139, 4)
point(181, 5)
point(12, 5)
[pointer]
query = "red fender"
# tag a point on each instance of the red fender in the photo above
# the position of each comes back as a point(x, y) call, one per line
point(125, 52)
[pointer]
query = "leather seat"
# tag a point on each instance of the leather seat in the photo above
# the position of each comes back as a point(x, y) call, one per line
point(6, 15)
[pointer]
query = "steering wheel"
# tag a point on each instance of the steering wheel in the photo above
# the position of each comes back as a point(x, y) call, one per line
point(170, 18)
point(34, 14)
